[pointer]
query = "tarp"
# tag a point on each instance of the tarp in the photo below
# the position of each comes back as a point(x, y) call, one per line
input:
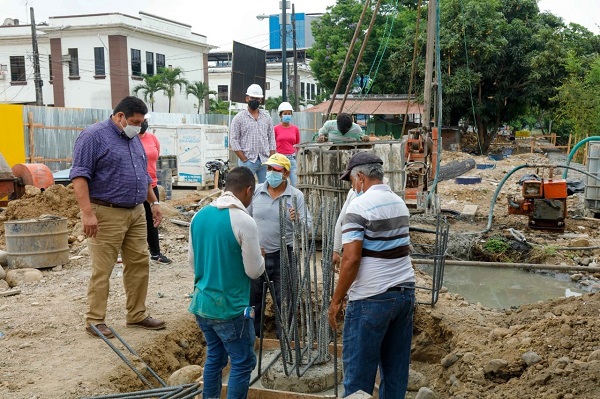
point(370, 107)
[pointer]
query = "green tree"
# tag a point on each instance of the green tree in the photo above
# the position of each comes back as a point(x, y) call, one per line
point(170, 78)
point(149, 88)
point(199, 90)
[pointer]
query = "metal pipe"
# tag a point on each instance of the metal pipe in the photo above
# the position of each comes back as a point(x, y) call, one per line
point(508, 265)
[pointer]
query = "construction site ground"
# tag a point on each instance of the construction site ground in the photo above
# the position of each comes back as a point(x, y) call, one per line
point(549, 349)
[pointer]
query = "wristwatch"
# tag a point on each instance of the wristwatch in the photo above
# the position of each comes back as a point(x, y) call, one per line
point(154, 203)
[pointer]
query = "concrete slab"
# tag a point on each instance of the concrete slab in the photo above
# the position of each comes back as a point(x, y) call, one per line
point(469, 210)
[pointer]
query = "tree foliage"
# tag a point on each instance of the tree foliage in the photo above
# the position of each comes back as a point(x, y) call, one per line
point(200, 91)
point(149, 88)
point(170, 79)
point(501, 60)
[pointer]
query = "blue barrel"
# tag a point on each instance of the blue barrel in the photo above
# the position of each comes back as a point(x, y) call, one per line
point(164, 177)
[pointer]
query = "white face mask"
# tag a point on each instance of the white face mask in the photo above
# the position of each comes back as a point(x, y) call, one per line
point(131, 131)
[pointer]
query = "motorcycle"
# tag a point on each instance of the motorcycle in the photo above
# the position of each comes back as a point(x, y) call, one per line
point(219, 169)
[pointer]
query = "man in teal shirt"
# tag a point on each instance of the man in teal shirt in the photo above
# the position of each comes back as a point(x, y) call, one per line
point(225, 255)
point(341, 130)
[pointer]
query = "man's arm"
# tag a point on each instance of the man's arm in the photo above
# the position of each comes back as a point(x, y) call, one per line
point(348, 273)
point(337, 237)
point(246, 232)
point(234, 139)
point(88, 217)
point(272, 142)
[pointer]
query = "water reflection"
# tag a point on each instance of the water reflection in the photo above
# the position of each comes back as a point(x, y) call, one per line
point(503, 288)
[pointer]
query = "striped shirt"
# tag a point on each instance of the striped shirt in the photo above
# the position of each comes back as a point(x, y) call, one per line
point(115, 166)
point(379, 218)
point(335, 136)
point(254, 137)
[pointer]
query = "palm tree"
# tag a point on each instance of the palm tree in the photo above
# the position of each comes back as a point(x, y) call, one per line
point(169, 78)
point(273, 102)
point(150, 86)
point(198, 90)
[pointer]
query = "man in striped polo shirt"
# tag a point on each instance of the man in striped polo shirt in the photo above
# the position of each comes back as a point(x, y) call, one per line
point(379, 279)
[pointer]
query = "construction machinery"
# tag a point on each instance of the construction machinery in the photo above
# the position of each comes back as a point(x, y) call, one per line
point(13, 180)
point(544, 202)
point(419, 152)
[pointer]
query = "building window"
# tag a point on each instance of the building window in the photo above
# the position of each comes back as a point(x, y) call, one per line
point(136, 62)
point(222, 92)
point(17, 69)
point(302, 89)
point(99, 63)
point(312, 91)
point(267, 86)
point(149, 63)
point(160, 61)
point(73, 62)
point(50, 73)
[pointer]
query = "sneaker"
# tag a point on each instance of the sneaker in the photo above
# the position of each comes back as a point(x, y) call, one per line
point(160, 258)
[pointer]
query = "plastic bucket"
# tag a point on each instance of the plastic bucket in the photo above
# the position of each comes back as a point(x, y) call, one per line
point(37, 243)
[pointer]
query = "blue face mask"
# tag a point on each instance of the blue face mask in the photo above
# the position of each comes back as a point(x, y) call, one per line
point(359, 193)
point(286, 118)
point(274, 178)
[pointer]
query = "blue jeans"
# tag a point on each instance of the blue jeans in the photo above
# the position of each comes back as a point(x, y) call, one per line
point(293, 174)
point(232, 338)
point(259, 170)
point(378, 333)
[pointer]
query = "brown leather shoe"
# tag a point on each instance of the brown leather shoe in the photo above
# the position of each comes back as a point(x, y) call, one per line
point(149, 324)
point(103, 328)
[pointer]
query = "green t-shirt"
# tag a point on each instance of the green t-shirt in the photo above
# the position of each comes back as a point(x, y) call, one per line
point(335, 136)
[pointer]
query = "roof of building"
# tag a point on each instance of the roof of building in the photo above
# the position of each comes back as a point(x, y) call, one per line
point(370, 107)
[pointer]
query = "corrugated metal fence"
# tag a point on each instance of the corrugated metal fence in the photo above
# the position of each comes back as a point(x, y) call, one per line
point(50, 132)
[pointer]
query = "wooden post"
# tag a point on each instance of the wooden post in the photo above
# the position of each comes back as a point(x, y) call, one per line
point(569, 144)
point(31, 136)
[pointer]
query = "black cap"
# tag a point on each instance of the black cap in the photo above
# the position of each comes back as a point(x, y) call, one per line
point(360, 158)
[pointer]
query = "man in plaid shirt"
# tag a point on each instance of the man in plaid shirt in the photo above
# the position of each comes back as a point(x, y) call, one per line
point(252, 136)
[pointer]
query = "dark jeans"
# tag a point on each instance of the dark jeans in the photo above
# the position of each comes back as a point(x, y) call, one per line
point(273, 269)
point(152, 239)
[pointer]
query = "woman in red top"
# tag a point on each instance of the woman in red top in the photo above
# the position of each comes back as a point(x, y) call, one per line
point(286, 137)
point(152, 148)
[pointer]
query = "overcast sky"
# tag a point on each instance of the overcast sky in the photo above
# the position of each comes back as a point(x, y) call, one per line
point(223, 21)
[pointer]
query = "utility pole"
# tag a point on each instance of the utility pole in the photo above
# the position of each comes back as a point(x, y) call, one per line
point(38, 82)
point(283, 4)
point(296, 80)
point(429, 56)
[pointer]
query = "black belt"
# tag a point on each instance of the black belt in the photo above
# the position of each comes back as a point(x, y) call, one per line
point(402, 287)
point(105, 203)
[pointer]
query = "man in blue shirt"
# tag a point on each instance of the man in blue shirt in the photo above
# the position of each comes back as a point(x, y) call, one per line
point(225, 255)
point(111, 182)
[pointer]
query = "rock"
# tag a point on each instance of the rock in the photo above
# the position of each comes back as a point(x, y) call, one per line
point(185, 375)
point(359, 395)
point(498, 333)
point(32, 191)
point(2, 273)
point(416, 380)
point(576, 277)
point(468, 357)
point(449, 360)
point(3, 258)
point(426, 393)
point(530, 358)
point(167, 210)
point(18, 277)
point(542, 379)
point(495, 365)
point(585, 261)
point(4, 285)
point(595, 355)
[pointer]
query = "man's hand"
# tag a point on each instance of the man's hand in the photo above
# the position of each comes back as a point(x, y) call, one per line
point(321, 139)
point(334, 310)
point(336, 259)
point(262, 252)
point(293, 214)
point(156, 215)
point(90, 224)
point(365, 138)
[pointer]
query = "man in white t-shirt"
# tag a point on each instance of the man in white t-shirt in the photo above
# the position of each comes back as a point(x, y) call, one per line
point(378, 276)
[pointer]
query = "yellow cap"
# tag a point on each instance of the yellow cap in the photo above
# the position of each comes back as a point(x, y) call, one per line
point(279, 161)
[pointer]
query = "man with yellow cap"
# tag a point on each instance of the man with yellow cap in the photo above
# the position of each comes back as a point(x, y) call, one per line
point(265, 211)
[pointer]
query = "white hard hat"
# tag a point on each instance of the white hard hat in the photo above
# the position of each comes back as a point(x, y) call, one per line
point(254, 90)
point(285, 106)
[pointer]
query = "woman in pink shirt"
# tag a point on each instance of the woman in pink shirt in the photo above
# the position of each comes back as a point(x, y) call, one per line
point(152, 148)
point(286, 137)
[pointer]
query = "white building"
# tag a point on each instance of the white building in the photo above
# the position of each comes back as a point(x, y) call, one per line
point(94, 60)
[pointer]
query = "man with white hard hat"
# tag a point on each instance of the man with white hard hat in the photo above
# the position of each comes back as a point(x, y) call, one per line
point(252, 136)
